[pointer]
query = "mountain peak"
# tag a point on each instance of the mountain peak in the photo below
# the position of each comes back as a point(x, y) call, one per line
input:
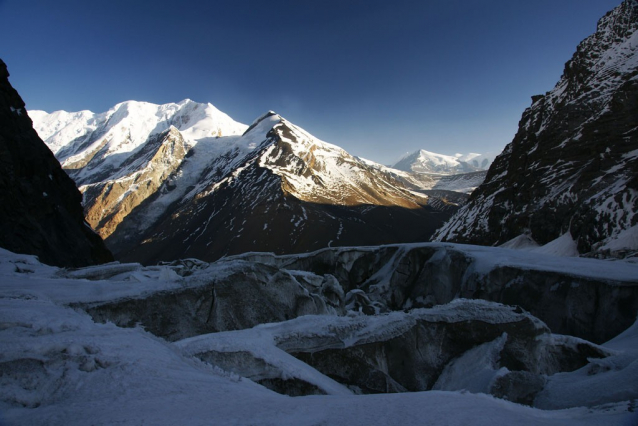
point(423, 161)
point(266, 115)
point(278, 181)
point(80, 138)
point(271, 116)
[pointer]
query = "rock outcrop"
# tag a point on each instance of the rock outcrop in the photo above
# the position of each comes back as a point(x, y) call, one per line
point(110, 202)
point(40, 206)
point(573, 163)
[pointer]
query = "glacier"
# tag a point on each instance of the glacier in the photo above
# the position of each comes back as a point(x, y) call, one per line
point(62, 363)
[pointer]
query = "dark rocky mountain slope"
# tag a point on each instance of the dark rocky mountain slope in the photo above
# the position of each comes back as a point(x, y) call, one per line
point(573, 164)
point(40, 207)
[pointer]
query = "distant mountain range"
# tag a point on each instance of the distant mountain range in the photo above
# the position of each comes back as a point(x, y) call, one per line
point(423, 161)
point(185, 180)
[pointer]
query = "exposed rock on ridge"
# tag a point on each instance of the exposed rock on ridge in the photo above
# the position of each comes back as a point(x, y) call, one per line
point(109, 202)
point(289, 193)
point(573, 162)
point(40, 206)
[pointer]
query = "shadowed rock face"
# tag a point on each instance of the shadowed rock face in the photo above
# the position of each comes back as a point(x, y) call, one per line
point(573, 162)
point(40, 206)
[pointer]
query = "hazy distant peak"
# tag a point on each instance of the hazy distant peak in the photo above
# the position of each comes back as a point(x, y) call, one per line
point(423, 161)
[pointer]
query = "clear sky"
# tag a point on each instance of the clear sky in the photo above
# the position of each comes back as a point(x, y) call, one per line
point(378, 78)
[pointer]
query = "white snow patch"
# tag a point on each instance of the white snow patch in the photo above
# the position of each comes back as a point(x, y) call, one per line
point(563, 246)
point(522, 242)
point(475, 370)
point(627, 239)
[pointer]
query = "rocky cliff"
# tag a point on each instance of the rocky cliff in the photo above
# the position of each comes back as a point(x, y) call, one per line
point(40, 206)
point(110, 201)
point(573, 163)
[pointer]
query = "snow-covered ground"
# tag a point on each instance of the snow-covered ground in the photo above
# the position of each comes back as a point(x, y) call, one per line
point(59, 367)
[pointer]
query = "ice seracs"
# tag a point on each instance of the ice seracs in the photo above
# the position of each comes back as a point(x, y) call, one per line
point(77, 342)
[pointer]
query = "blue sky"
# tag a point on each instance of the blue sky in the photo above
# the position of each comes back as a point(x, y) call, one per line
point(378, 78)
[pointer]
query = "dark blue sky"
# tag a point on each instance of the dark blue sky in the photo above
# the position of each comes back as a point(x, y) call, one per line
point(378, 78)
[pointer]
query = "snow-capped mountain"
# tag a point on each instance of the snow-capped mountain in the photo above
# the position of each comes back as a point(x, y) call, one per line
point(573, 163)
point(121, 157)
point(290, 193)
point(172, 177)
point(423, 161)
point(93, 147)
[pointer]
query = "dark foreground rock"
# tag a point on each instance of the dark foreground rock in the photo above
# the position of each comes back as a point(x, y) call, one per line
point(40, 206)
